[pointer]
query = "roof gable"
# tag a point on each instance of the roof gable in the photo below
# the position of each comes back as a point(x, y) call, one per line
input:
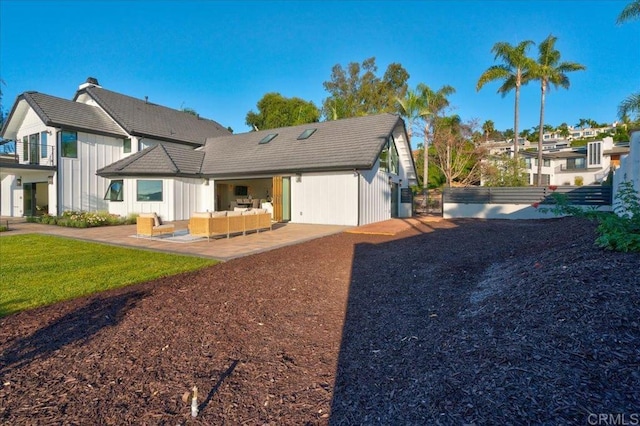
point(141, 118)
point(58, 112)
point(158, 160)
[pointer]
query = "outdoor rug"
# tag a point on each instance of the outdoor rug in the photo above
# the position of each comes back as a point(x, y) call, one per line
point(180, 236)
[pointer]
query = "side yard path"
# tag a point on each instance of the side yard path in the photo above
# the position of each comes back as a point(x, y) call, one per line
point(450, 322)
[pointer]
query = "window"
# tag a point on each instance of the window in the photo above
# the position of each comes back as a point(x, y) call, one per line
point(34, 148)
point(384, 158)
point(546, 179)
point(527, 162)
point(306, 134)
point(575, 163)
point(268, 138)
point(114, 192)
point(546, 162)
point(594, 152)
point(394, 159)
point(25, 148)
point(389, 158)
point(43, 145)
point(241, 190)
point(69, 144)
point(126, 145)
point(149, 190)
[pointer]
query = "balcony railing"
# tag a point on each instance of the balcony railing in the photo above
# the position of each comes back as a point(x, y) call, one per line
point(27, 153)
point(570, 167)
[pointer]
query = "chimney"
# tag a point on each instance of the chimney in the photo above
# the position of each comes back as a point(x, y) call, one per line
point(91, 82)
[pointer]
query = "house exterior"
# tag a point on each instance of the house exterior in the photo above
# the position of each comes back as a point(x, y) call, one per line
point(590, 164)
point(105, 151)
point(629, 169)
point(346, 172)
point(53, 147)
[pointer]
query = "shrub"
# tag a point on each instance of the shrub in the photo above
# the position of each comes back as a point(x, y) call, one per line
point(579, 180)
point(621, 231)
point(79, 219)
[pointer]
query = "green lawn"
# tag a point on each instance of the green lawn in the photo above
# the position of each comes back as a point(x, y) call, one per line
point(37, 270)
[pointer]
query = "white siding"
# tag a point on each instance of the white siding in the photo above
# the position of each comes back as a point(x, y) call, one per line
point(629, 169)
point(325, 199)
point(186, 194)
point(81, 188)
point(10, 197)
point(375, 196)
point(180, 197)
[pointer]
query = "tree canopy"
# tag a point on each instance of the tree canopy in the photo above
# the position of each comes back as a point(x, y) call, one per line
point(357, 91)
point(549, 71)
point(274, 110)
point(513, 72)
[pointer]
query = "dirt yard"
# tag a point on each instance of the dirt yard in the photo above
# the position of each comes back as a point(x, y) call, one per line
point(458, 322)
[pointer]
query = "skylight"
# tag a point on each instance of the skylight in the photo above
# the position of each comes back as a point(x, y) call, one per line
point(268, 138)
point(306, 134)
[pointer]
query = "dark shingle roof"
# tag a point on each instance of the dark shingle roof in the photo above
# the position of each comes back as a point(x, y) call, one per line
point(158, 160)
point(352, 143)
point(58, 112)
point(140, 118)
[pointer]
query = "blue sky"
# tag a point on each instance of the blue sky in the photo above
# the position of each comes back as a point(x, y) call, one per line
point(219, 58)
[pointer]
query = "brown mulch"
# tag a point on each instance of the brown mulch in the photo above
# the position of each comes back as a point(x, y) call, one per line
point(471, 322)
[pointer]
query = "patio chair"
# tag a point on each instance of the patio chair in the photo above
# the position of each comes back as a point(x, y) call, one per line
point(149, 225)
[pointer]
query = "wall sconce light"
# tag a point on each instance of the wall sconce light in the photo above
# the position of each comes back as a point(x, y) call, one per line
point(50, 180)
point(390, 181)
point(400, 183)
point(298, 177)
point(355, 173)
point(19, 181)
point(205, 181)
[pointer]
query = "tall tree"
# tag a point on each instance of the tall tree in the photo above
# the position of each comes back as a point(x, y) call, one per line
point(358, 91)
point(436, 103)
point(487, 129)
point(513, 74)
point(631, 104)
point(454, 152)
point(413, 109)
point(549, 70)
point(583, 122)
point(563, 130)
point(630, 12)
point(274, 110)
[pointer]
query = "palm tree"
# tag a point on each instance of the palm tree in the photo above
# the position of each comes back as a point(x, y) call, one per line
point(549, 70)
point(563, 130)
point(582, 123)
point(435, 103)
point(413, 109)
point(632, 102)
point(488, 128)
point(630, 12)
point(630, 105)
point(512, 72)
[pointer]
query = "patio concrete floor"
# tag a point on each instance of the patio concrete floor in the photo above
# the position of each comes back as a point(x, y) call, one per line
point(283, 234)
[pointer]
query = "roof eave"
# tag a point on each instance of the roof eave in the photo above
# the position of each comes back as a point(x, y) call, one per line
point(289, 170)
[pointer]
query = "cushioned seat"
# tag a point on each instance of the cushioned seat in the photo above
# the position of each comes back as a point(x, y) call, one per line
point(150, 225)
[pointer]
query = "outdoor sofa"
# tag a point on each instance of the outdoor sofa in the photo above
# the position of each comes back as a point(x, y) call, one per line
point(149, 225)
point(226, 223)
